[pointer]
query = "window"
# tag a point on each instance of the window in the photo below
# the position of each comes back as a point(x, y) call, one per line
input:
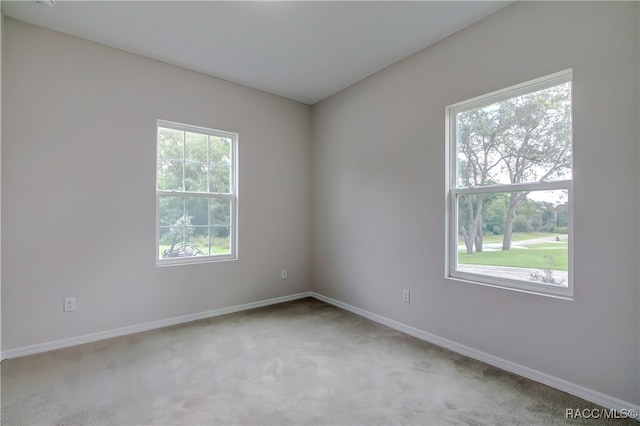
point(196, 191)
point(509, 188)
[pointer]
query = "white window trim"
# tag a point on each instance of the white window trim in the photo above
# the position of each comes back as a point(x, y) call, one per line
point(451, 219)
point(233, 196)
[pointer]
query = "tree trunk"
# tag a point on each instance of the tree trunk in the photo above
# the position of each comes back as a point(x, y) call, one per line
point(478, 239)
point(478, 222)
point(467, 234)
point(473, 233)
point(468, 242)
point(511, 215)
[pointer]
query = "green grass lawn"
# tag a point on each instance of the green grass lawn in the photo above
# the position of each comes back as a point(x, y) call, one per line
point(517, 236)
point(545, 255)
point(550, 245)
point(534, 258)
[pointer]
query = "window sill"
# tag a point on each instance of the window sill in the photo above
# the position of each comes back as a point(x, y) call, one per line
point(181, 261)
point(556, 292)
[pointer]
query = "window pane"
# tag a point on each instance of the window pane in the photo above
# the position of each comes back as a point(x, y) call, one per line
point(195, 177)
point(171, 241)
point(170, 175)
point(220, 151)
point(220, 212)
point(195, 147)
point(197, 241)
point(197, 210)
point(220, 239)
point(171, 210)
point(170, 143)
point(164, 241)
point(175, 227)
point(532, 246)
point(220, 178)
point(519, 140)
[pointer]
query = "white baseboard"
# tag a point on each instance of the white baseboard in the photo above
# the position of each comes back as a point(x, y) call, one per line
point(101, 335)
point(538, 376)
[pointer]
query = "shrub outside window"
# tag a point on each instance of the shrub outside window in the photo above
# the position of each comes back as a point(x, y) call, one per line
point(196, 194)
point(509, 191)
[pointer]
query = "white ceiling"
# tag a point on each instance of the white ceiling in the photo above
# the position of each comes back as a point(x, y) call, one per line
point(302, 50)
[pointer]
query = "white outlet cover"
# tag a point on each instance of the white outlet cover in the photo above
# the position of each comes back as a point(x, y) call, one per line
point(69, 304)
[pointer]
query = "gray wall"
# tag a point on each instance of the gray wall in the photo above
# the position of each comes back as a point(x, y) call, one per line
point(78, 189)
point(378, 197)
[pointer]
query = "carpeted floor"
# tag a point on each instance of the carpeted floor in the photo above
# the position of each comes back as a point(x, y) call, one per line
point(297, 363)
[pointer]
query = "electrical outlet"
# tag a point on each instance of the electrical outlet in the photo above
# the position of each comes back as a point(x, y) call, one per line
point(69, 304)
point(406, 295)
point(284, 274)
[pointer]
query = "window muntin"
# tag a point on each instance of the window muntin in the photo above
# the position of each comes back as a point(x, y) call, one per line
point(510, 173)
point(196, 194)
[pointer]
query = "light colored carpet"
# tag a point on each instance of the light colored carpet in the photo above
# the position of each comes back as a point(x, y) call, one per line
point(302, 362)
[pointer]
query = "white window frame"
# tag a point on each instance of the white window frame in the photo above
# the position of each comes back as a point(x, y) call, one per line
point(452, 192)
point(232, 196)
